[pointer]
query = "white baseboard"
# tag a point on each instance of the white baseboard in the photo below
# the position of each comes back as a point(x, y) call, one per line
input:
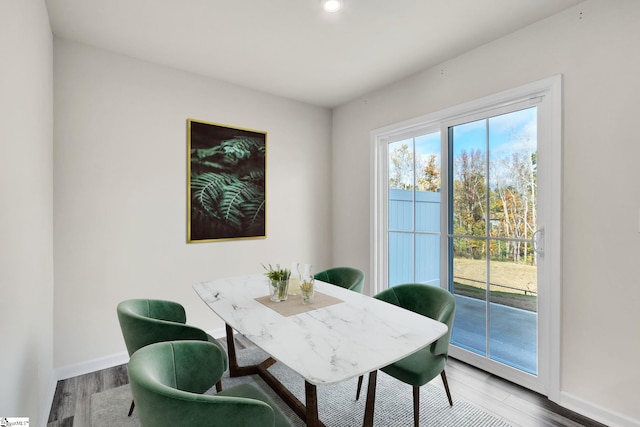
point(105, 362)
point(48, 400)
point(596, 412)
point(88, 366)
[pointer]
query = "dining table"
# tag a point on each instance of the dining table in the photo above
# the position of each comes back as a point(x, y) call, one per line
point(340, 336)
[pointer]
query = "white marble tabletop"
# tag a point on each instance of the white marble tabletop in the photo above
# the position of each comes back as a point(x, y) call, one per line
point(326, 345)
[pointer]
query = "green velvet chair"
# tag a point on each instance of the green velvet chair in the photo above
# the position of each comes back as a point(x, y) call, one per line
point(148, 321)
point(423, 365)
point(345, 277)
point(168, 380)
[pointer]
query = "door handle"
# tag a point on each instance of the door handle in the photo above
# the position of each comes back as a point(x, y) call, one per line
point(538, 241)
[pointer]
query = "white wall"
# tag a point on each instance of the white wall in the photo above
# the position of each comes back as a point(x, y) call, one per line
point(120, 191)
point(595, 47)
point(26, 207)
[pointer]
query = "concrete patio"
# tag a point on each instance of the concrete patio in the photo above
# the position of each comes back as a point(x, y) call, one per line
point(513, 339)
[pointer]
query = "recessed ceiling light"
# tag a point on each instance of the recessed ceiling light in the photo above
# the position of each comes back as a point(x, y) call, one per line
point(331, 5)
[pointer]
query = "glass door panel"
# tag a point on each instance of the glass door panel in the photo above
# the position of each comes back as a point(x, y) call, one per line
point(469, 171)
point(427, 259)
point(492, 219)
point(469, 287)
point(400, 258)
point(413, 235)
point(513, 330)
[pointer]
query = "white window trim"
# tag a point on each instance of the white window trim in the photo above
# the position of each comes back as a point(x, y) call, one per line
point(550, 301)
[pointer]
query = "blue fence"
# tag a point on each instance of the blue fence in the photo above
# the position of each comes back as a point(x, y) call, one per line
point(414, 253)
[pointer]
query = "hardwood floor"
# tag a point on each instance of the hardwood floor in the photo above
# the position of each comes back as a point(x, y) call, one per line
point(71, 401)
point(515, 404)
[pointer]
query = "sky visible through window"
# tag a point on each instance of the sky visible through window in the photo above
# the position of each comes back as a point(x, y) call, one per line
point(509, 134)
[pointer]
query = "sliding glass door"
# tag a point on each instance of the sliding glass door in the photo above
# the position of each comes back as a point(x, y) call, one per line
point(468, 199)
point(491, 224)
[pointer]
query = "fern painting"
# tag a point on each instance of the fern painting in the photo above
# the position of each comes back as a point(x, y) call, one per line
point(227, 168)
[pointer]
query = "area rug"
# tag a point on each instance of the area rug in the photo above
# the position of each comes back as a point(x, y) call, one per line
point(336, 403)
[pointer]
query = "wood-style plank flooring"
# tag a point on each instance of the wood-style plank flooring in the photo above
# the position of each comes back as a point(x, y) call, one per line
point(515, 404)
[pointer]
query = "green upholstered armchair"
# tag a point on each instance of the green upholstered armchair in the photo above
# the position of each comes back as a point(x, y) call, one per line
point(346, 277)
point(167, 381)
point(148, 321)
point(423, 365)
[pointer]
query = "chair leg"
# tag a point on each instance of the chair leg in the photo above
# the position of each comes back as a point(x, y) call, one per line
point(359, 387)
point(446, 387)
point(416, 406)
point(133, 404)
point(219, 386)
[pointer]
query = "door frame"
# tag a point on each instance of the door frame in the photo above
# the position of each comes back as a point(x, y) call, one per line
point(549, 90)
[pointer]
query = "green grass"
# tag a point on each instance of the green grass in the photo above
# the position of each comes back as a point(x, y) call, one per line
point(525, 302)
point(517, 278)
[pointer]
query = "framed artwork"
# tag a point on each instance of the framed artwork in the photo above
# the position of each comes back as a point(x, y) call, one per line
point(226, 182)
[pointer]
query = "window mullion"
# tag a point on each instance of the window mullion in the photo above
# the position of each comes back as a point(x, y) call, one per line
point(487, 223)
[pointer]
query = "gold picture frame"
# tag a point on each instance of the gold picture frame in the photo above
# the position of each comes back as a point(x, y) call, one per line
point(226, 182)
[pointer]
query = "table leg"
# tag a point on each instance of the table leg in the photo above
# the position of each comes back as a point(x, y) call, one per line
point(231, 350)
point(235, 370)
point(308, 412)
point(371, 400)
point(311, 405)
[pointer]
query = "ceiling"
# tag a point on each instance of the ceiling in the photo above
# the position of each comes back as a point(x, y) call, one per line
point(291, 48)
